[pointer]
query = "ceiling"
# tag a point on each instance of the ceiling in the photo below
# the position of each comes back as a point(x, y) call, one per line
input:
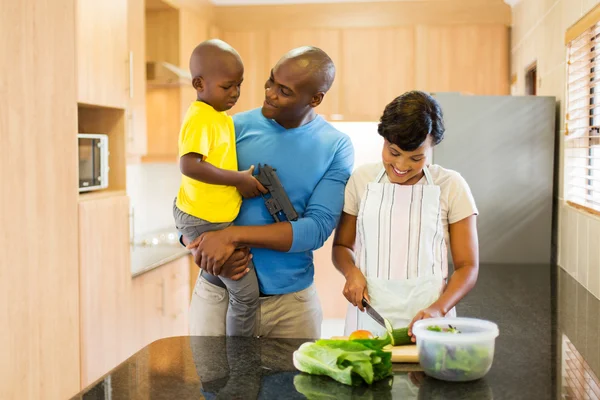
point(280, 2)
point(276, 2)
point(158, 4)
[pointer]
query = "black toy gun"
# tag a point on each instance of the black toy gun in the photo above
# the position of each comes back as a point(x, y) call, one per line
point(278, 201)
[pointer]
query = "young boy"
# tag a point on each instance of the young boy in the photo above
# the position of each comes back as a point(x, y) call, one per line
point(211, 188)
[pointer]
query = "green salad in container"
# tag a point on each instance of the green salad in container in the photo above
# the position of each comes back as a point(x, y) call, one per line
point(456, 351)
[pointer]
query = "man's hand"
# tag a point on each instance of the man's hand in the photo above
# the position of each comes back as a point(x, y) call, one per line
point(433, 311)
point(248, 185)
point(235, 267)
point(356, 288)
point(213, 249)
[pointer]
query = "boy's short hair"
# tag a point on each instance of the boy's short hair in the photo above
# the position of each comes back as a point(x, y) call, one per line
point(410, 118)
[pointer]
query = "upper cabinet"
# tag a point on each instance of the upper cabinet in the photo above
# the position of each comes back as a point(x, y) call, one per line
point(380, 51)
point(252, 47)
point(471, 59)
point(377, 65)
point(171, 35)
point(136, 110)
point(102, 53)
point(329, 40)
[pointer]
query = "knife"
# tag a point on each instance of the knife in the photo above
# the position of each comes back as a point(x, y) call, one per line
point(373, 314)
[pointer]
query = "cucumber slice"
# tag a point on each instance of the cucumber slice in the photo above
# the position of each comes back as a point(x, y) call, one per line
point(399, 337)
point(389, 329)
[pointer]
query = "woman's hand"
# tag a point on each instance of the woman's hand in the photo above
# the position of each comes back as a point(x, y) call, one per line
point(356, 288)
point(433, 311)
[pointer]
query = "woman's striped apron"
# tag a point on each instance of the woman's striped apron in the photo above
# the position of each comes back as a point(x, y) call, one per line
point(400, 248)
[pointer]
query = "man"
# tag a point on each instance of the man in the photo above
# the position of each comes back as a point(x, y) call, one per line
point(313, 161)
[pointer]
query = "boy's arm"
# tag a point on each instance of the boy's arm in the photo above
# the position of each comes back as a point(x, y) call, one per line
point(196, 142)
point(307, 233)
point(193, 166)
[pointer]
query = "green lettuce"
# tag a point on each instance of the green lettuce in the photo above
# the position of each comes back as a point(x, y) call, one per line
point(322, 388)
point(456, 362)
point(348, 362)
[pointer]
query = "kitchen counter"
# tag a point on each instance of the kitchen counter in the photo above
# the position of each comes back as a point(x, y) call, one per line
point(517, 298)
point(154, 250)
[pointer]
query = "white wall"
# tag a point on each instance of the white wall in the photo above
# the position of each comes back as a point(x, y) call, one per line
point(367, 142)
point(539, 28)
point(152, 189)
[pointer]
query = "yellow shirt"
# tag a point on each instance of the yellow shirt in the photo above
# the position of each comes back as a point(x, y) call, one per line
point(210, 133)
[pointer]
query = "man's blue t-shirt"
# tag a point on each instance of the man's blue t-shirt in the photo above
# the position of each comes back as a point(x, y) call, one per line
point(313, 162)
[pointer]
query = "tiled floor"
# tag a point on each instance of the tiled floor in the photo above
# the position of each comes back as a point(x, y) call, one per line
point(579, 381)
point(579, 319)
point(579, 325)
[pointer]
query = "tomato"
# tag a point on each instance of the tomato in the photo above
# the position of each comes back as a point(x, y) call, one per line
point(361, 334)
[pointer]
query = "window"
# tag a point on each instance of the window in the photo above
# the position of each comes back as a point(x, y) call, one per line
point(582, 142)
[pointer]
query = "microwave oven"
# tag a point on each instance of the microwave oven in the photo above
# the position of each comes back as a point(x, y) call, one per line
point(93, 161)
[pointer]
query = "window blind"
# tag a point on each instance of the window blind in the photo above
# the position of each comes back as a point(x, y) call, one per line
point(582, 144)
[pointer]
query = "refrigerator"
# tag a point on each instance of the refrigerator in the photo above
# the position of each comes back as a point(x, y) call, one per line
point(504, 147)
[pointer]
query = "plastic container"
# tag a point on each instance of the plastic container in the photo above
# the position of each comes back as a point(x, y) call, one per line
point(458, 357)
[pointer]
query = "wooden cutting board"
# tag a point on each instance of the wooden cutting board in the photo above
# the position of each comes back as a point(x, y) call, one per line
point(404, 354)
point(400, 354)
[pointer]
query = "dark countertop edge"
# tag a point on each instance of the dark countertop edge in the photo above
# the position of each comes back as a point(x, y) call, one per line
point(83, 391)
point(396, 367)
point(177, 254)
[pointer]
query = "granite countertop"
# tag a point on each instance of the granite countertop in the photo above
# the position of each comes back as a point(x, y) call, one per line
point(517, 298)
point(154, 250)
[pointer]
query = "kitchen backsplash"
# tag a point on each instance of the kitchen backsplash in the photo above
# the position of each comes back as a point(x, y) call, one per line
point(152, 188)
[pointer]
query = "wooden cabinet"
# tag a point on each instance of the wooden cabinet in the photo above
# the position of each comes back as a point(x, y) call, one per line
point(120, 315)
point(377, 65)
point(39, 284)
point(457, 58)
point(252, 47)
point(193, 28)
point(162, 35)
point(102, 55)
point(171, 35)
point(161, 300)
point(104, 285)
point(136, 109)
point(329, 40)
point(164, 122)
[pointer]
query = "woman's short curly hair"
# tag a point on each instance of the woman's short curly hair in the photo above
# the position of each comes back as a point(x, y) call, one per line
point(410, 118)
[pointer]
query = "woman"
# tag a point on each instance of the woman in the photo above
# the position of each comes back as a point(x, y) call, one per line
point(399, 215)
